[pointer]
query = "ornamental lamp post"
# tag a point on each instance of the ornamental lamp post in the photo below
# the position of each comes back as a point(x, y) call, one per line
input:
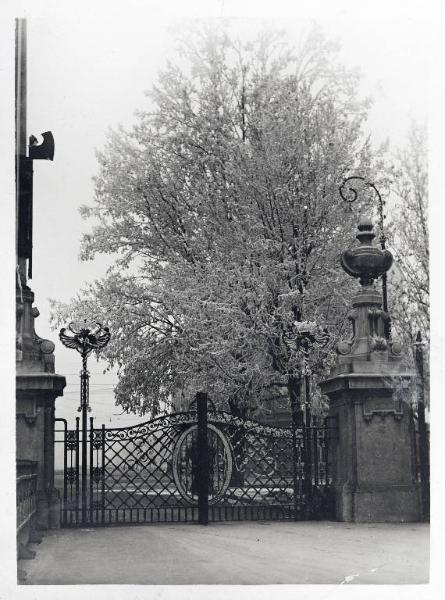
point(306, 337)
point(351, 197)
point(85, 340)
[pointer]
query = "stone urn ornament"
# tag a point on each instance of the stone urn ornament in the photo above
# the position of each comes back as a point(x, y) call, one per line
point(367, 262)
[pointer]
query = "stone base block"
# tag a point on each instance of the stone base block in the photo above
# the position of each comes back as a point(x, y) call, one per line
point(54, 511)
point(393, 504)
point(35, 538)
point(21, 576)
point(48, 511)
point(343, 503)
point(25, 553)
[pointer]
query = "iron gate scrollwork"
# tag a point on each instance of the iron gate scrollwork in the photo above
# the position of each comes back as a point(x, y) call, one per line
point(148, 472)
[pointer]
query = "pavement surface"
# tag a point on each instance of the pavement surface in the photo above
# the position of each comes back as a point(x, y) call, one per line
point(233, 553)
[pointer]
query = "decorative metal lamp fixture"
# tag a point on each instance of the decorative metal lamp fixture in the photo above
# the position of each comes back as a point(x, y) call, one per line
point(351, 196)
point(85, 340)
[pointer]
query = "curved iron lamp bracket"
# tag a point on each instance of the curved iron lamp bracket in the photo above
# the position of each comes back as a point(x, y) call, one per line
point(352, 195)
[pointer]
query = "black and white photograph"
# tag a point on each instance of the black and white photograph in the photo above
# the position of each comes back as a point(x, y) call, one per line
point(219, 231)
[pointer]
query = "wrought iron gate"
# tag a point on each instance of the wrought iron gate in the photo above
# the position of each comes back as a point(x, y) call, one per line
point(163, 471)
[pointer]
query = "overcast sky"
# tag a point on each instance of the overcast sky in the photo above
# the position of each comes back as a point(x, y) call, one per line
point(87, 71)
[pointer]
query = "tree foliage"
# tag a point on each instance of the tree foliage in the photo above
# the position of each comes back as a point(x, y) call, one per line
point(221, 207)
point(410, 239)
point(410, 289)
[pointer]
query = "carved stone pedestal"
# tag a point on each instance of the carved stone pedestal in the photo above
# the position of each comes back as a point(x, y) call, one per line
point(373, 463)
point(37, 387)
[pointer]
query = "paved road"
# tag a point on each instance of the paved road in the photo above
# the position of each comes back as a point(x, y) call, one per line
point(233, 553)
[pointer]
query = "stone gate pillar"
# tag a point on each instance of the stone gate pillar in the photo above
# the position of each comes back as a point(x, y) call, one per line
point(369, 389)
point(37, 387)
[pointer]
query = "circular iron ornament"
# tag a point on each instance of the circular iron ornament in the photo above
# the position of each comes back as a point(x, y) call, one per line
point(184, 464)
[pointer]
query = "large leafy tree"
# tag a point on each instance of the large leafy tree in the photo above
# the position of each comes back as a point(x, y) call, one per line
point(409, 231)
point(410, 238)
point(221, 207)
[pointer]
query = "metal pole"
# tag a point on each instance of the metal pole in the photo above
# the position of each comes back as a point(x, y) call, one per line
point(84, 409)
point(90, 441)
point(307, 400)
point(20, 111)
point(310, 452)
point(307, 463)
point(423, 435)
point(203, 460)
point(387, 323)
point(294, 455)
point(77, 469)
point(65, 464)
point(326, 450)
point(24, 166)
point(103, 474)
point(307, 438)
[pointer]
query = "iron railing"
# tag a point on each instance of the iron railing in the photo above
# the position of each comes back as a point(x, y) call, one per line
point(26, 497)
point(421, 451)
